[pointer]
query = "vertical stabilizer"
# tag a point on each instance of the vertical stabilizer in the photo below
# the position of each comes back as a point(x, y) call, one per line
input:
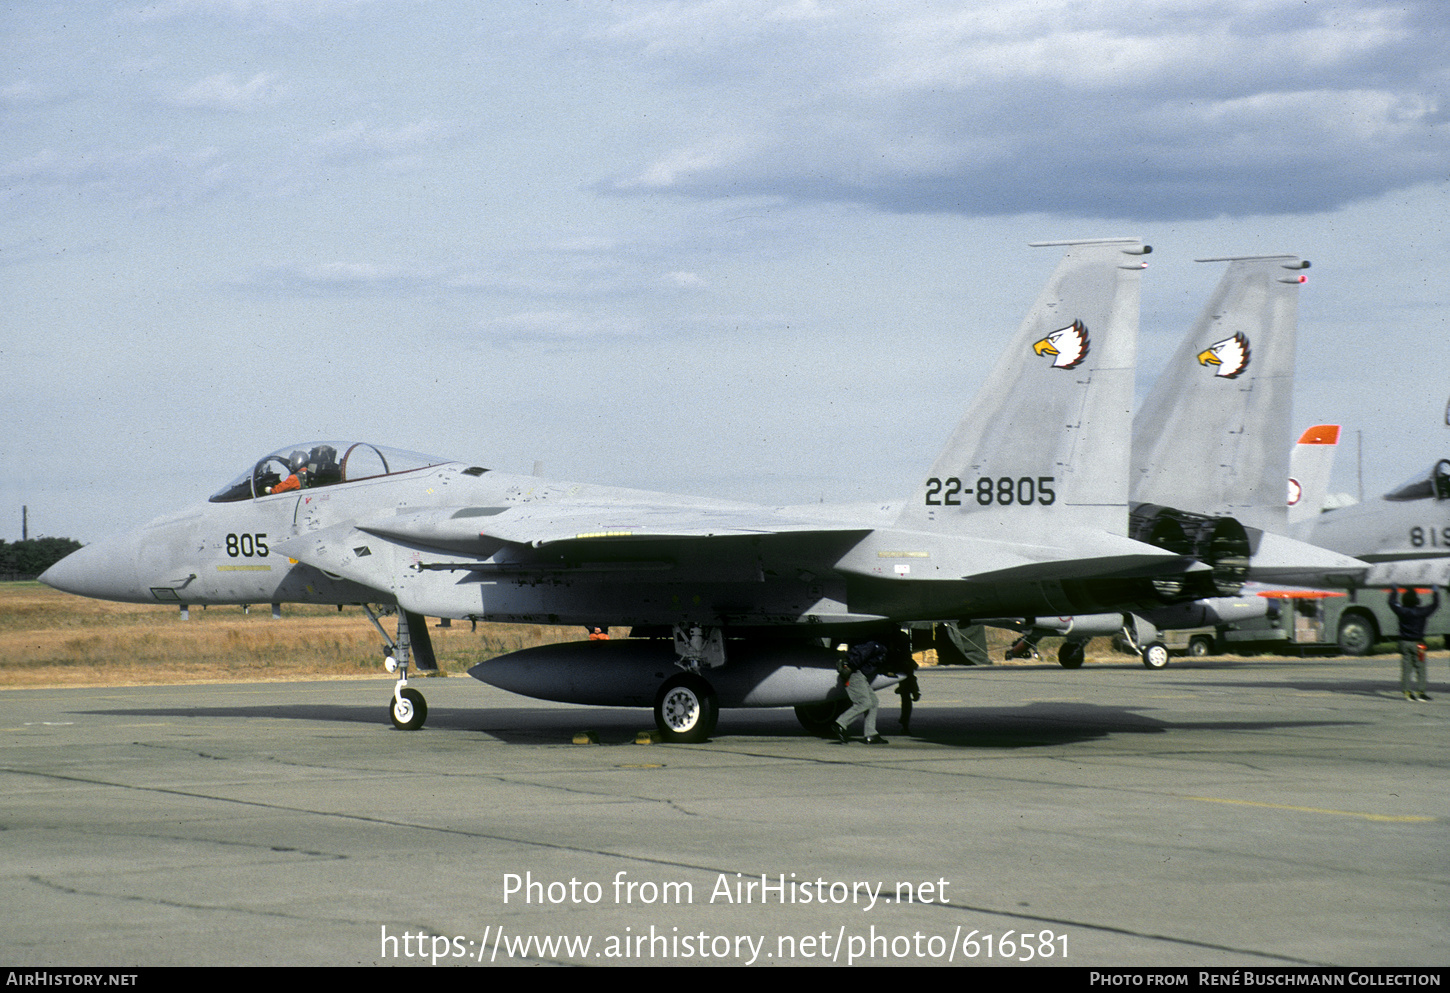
point(1214, 435)
point(1045, 444)
point(1310, 467)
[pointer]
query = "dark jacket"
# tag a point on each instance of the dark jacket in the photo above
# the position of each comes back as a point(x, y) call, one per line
point(867, 658)
point(1412, 619)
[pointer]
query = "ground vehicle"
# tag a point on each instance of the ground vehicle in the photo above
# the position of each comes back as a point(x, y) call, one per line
point(1351, 623)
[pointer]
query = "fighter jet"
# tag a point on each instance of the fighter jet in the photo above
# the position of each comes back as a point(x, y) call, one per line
point(1210, 460)
point(1025, 512)
point(1404, 534)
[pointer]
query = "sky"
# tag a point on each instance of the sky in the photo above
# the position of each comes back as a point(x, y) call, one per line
point(756, 250)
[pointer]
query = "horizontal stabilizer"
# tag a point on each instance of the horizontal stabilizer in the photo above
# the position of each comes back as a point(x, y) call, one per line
point(1283, 560)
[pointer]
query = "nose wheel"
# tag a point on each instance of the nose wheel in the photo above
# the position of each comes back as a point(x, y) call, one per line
point(408, 709)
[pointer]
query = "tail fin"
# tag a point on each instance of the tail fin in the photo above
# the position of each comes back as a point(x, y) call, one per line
point(1310, 466)
point(1214, 435)
point(1046, 442)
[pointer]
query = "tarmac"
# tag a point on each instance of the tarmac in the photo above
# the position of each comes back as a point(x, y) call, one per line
point(1223, 812)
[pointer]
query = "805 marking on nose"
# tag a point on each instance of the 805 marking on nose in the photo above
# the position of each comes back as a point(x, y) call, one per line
point(1003, 491)
point(247, 546)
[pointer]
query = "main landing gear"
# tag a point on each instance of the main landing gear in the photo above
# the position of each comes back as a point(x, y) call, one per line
point(1154, 654)
point(406, 708)
point(686, 706)
point(686, 709)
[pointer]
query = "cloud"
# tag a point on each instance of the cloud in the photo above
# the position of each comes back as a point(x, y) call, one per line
point(22, 93)
point(1171, 111)
point(224, 92)
point(147, 178)
point(163, 174)
point(544, 327)
point(343, 279)
point(286, 12)
point(366, 140)
point(548, 273)
point(686, 280)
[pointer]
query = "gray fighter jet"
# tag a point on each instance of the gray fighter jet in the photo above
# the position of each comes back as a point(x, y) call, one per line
point(1025, 512)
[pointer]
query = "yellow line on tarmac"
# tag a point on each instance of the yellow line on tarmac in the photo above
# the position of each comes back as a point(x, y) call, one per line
point(1392, 819)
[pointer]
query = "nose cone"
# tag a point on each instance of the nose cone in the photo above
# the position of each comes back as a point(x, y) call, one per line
point(105, 570)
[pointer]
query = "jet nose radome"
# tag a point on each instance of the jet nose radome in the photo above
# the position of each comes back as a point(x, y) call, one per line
point(105, 570)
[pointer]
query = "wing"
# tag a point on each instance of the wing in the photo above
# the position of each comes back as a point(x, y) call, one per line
point(514, 539)
point(537, 525)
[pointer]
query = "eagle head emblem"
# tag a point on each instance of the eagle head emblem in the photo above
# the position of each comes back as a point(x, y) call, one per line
point(1068, 346)
point(1231, 356)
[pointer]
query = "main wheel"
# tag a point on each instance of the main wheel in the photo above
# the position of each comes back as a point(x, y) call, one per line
point(408, 710)
point(1356, 635)
point(1071, 654)
point(686, 709)
point(820, 718)
point(1200, 646)
point(1155, 655)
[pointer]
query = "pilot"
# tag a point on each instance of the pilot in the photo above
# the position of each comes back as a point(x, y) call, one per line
point(297, 462)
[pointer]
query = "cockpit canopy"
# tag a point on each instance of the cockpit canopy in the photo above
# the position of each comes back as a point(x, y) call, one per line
point(313, 464)
point(1435, 483)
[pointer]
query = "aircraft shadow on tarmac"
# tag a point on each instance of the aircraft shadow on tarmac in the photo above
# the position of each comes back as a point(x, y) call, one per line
point(1034, 725)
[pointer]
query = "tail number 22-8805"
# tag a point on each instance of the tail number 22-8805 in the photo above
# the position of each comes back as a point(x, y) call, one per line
point(1004, 491)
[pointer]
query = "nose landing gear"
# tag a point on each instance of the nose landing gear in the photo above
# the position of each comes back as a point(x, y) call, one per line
point(406, 708)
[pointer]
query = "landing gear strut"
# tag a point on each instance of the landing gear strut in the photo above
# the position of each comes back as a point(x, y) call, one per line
point(406, 708)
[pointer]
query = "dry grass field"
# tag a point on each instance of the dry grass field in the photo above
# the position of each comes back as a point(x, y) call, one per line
point(49, 638)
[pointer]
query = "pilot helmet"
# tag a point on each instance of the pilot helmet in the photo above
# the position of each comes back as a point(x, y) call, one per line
point(297, 461)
